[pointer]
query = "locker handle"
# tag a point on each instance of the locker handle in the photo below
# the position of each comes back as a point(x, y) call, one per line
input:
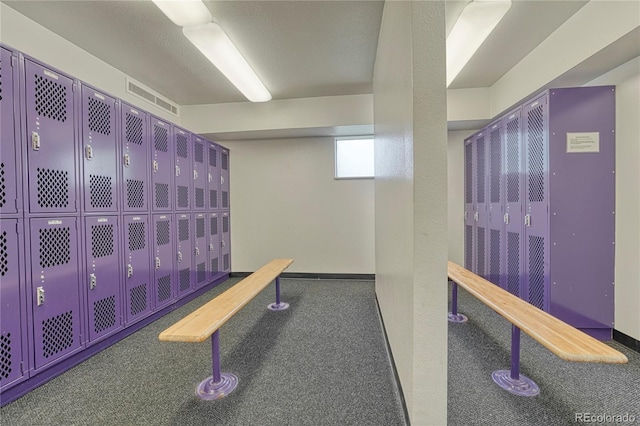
point(35, 141)
point(179, 256)
point(127, 160)
point(157, 263)
point(155, 165)
point(197, 252)
point(177, 170)
point(195, 175)
point(476, 216)
point(92, 281)
point(129, 271)
point(210, 178)
point(88, 151)
point(506, 218)
point(221, 180)
point(466, 215)
point(222, 243)
point(527, 220)
point(40, 295)
point(211, 247)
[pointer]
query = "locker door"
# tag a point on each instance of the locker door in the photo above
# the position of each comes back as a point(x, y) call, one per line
point(213, 178)
point(214, 246)
point(495, 237)
point(162, 170)
point(99, 156)
point(164, 275)
point(138, 292)
point(184, 255)
point(102, 275)
point(200, 249)
point(224, 179)
point(13, 351)
point(225, 242)
point(199, 173)
point(10, 178)
point(183, 168)
point(536, 202)
point(55, 293)
point(514, 196)
point(135, 153)
point(480, 144)
point(469, 206)
point(50, 145)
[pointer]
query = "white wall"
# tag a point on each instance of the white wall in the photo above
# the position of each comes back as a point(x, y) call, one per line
point(285, 202)
point(410, 197)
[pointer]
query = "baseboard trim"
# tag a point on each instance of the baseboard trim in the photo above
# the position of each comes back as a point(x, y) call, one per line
point(625, 340)
point(314, 276)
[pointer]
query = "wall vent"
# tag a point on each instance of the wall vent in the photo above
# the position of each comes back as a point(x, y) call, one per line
point(148, 95)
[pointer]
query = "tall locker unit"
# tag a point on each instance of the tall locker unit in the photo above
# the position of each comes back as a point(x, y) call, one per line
point(199, 173)
point(200, 249)
point(225, 241)
point(10, 158)
point(162, 169)
point(138, 291)
point(495, 204)
point(164, 275)
point(134, 150)
point(183, 169)
point(469, 206)
point(213, 246)
point(184, 254)
point(476, 216)
point(213, 177)
point(224, 179)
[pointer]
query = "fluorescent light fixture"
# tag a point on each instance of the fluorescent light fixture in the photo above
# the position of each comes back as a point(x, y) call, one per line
point(184, 13)
point(216, 46)
point(477, 20)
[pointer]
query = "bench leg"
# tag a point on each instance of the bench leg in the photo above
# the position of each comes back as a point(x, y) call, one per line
point(512, 380)
point(278, 306)
point(220, 384)
point(454, 316)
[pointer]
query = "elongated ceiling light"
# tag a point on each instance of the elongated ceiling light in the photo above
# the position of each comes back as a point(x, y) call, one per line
point(477, 20)
point(184, 13)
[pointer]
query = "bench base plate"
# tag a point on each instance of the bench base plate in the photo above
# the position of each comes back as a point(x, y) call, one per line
point(522, 386)
point(278, 306)
point(457, 318)
point(210, 390)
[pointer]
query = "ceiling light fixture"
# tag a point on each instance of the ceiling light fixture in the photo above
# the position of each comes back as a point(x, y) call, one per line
point(477, 20)
point(184, 13)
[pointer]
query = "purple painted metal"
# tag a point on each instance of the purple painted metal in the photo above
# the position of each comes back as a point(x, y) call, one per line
point(11, 178)
point(225, 241)
point(134, 145)
point(162, 167)
point(213, 177)
point(278, 306)
point(184, 254)
point(200, 147)
point(511, 380)
point(219, 384)
point(200, 249)
point(163, 260)
point(183, 169)
point(137, 274)
point(454, 316)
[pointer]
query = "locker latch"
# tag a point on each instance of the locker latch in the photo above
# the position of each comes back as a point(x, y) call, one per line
point(155, 165)
point(466, 215)
point(40, 295)
point(195, 175)
point(211, 247)
point(92, 281)
point(221, 180)
point(129, 271)
point(35, 141)
point(127, 160)
point(476, 216)
point(527, 220)
point(210, 178)
point(157, 263)
point(177, 170)
point(222, 243)
point(506, 218)
point(197, 251)
point(88, 152)
point(179, 256)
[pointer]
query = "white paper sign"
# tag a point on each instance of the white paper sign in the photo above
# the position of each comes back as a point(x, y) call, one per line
point(583, 142)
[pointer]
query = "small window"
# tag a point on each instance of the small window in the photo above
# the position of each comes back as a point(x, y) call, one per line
point(354, 157)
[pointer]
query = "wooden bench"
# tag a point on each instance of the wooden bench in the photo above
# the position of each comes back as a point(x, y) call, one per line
point(563, 340)
point(205, 322)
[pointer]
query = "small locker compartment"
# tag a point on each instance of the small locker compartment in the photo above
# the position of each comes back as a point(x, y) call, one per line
point(10, 171)
point(224, 179)
point(138, 291)
point(14, 365)
point(200, 249)
point(495, 190)
point(469, 206)
point(102, 275)
point(214, 246)
point(162, 169)
point(184, 254)
point(49, 101)
point(134, 141)
point(213, 177)
point(55, 294)
point(99, 155)
point(199, 173)
point(225, 242)
point(164, 275)
point(183, 168)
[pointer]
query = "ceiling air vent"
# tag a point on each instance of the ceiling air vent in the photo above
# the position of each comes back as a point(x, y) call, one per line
point(148, 95)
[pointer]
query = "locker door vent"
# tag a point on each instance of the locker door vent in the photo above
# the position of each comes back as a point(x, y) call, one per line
point(133, 129)
point(183, 196)
point(198, 153)
point(213, 158)
point(225, 199)
point(162, 232)
point(513, 263)
point(496, 166)
point(480, 251)
point(51, 99)
point(536, 154)
point(160, 138)
point(201, 272)
point(468, 246)
point(57, 334)
point(536, 271)
point(99, 116)
point(102, 241)
point(200, 227)
point(138, 298)
point(162, 195)
point(513, 162)
point(200, 197)
point(3, 187)
point(213, 199)
point(164, 288)
point(494, 256)
point(104, 314)
point(225, 224)
point(53, 188)
point(55, 247)
point(225, 262)
point(135, 193)
point(225, 161)
point(5, 356)
point(137, 240)
point(100, 193)
point(181, 146)
point(468, 191)
point(480, 170)
point(214, 265)
point(183, 230)
point(4, 254)
point(213, 226)
point(185, 279)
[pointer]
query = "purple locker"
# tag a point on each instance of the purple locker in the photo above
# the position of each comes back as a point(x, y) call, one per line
point(99, 155)
point(225, 242)
point(183, 168)
point(469, 205)
point(480, 143)
point(102, 275)
point(213, 177)
point(214, 246)
point(514, 197)
point(49, 100)
point(55, 295)
point(184, 254)
point(224, 179)
point(10, 174)
point(199, 173)
point(138, 291)
point(14, 365)
point(135, 157)
point(164, 275)
point(162, 169)
point(495, 194)
point(200, 249)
